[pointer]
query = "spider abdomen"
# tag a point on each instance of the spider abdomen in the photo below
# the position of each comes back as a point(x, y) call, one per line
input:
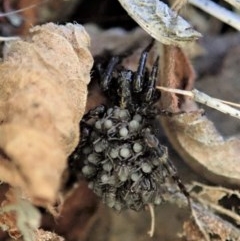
point(117, 162)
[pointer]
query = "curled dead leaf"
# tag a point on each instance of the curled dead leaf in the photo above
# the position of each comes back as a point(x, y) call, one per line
point(18, 216)
point(43, 90)
point(208, 226)
point(193, 135)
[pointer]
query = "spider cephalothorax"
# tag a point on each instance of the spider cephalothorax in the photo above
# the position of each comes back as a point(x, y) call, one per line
point(119, 153)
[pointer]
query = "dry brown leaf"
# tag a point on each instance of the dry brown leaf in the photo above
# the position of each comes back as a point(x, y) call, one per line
point(42, 235)
point(213, 194)
point(43, 89)
point(18, 216)
point(194, 136)
point(81, 214)
point(213, 226)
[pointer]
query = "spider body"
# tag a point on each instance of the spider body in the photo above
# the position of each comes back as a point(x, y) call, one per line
point(119, 153)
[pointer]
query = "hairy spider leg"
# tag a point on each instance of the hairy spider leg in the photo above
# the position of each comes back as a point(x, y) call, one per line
point(107, 75)
point(94, 113)
point(151, 83)
point(124, 91)
point(153, 142)
point(139, 76)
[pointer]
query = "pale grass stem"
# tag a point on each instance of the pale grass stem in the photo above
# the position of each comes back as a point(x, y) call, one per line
point(218, 104)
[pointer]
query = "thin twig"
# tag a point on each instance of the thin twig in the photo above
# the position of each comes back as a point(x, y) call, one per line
point(219, 12)
point(152, 214)
point(200, 226)
point(206, 100)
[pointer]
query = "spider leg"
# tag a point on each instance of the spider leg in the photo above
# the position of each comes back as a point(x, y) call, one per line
point(151, 83)
point(139, 76)
point(94, 113)
point(168, 165)
point(107, 75)
point(124, 91)
point(153, 142)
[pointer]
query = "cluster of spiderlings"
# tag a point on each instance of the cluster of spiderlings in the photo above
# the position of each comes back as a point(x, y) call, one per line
point(119, 166)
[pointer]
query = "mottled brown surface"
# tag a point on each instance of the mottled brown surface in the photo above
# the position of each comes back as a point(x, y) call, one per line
point(43, 90)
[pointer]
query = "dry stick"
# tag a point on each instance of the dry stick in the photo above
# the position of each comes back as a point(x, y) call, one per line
point(207, 100)
point(200, 226)
point(219, 12)
point(152, 214)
